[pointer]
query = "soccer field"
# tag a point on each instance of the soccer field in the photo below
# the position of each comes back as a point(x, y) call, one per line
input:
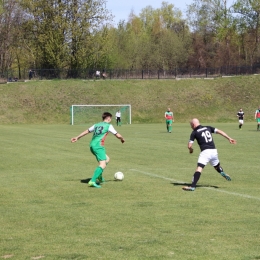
point(49, 212)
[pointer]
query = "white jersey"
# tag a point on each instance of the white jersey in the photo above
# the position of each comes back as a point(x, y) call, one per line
point(118, 114)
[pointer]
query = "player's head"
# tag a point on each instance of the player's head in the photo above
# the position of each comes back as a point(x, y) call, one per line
point(194, 123)
point(107, 116)
point(168, 109)
point(241, 109)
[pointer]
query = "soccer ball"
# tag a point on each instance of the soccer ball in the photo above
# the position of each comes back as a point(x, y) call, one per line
point(119, 176)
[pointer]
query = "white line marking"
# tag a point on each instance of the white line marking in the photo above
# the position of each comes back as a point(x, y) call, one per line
point(223, 191)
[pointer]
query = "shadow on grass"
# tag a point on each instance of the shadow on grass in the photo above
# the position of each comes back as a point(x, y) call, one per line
point(189, 184)
point(85, 180)
point(88, 179)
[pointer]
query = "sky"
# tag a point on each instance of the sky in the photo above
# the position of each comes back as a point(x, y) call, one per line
point(122, 8)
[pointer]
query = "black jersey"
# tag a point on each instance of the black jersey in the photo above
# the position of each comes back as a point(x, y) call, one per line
point(203, 136)
point(240, 115)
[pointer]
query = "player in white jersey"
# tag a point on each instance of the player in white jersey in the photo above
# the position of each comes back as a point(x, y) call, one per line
point(118, 118)
point(208, 153)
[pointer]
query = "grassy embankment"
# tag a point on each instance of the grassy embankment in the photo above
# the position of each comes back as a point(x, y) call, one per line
point(48, 102)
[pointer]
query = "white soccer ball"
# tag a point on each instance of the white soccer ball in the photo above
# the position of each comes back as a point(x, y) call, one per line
point(119, 176)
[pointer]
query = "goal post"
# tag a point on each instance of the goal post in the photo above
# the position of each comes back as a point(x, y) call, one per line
point(89, 114)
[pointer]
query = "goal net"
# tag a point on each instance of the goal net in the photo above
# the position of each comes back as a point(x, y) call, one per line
point(90, 114)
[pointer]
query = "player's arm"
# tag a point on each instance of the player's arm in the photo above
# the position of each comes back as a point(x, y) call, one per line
point(165, 116)
point(120, 137)
point(75, 139)
point(231, 140)
point(112, 130)
point(190, 146)
point(255, 114)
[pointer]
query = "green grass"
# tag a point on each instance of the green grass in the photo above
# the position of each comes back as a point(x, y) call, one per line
point(48, 102)
point(47, 212)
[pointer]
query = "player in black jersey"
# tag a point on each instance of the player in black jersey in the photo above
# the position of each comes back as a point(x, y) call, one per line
point(208, 153)
point(240, 115)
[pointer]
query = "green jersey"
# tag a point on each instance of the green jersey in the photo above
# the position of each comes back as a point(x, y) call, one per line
point(168, 115)
point(100, 132)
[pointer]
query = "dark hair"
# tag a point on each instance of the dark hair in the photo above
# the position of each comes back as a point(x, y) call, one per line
point(105, 115)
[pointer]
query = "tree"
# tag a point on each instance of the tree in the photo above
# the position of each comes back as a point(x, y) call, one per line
point(154, 39)
point(10, 21)
point(248, 24)
point(63, 30)
point(214, 33)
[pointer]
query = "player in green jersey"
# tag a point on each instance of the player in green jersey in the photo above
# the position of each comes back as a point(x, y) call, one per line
point(257, 118)
point(169, 119)
point(100, 132)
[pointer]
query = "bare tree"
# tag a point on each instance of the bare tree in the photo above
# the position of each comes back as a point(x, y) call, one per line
point(10, 20)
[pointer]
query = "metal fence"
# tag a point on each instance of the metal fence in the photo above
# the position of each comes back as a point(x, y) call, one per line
point(90, 74)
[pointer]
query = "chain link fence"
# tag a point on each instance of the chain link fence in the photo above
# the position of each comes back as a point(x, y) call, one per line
point(122, 74)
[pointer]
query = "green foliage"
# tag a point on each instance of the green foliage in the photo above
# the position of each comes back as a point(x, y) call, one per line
point(63, 31)
point(77, 34)
point(156, 39)
point(248, 22)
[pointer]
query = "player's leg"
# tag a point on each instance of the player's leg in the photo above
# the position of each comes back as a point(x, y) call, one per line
point(240, 124)
point(195, 178)
point(202, 162)
point(167, 125)
point(100, 177)
point(220, 170)
point(170, 126)
point(119, 119)
point(100, 155)
point(214, 161)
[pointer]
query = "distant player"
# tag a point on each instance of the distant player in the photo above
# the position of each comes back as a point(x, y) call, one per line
point(240, 115)
point(257, 117)
point(100, 132)
point(209, 153)
point(169, 119)
point(118, 118)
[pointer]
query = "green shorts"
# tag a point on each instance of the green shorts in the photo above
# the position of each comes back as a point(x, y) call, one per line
point(258, 120)
point(99, 152)
point(169, 122)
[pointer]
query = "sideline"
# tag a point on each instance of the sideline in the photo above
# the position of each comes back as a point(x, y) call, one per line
point(178, 181)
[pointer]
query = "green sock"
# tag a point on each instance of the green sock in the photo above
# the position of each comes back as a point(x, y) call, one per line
point(97, 172)
point(170, 128)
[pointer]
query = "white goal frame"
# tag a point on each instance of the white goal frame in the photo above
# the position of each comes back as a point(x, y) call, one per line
point(118, 105)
